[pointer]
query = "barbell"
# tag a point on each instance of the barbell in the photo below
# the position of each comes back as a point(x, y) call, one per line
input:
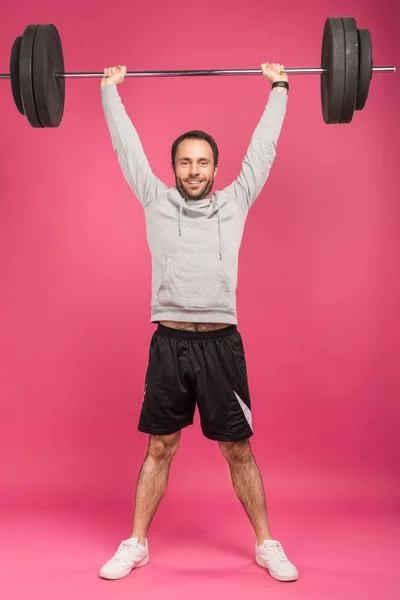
point(38, 79)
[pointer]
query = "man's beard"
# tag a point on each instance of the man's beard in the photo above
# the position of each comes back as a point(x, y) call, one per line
point(195, 195)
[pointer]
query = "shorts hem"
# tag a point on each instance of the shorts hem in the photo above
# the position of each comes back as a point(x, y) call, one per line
point(226, 438)
point(163, 432)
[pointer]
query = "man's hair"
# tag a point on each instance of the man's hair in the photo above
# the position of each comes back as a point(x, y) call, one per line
point(195, 135)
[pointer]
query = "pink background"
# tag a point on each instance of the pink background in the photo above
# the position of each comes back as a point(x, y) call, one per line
point(318, 302)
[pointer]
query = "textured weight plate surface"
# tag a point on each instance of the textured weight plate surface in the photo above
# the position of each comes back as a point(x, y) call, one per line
point(26, 75)
point(365, 67)
point(49, 90)
point(14, 74)
point(334, 61)
point(351, 72)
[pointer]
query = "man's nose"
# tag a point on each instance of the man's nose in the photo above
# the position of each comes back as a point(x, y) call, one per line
point(194, 169)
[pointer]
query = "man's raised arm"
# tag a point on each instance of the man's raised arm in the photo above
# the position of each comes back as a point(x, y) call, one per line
point(135, 167)
point(261, 152)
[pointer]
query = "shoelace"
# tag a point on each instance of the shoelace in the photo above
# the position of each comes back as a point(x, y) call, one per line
point(277, 553)
point(123, 551)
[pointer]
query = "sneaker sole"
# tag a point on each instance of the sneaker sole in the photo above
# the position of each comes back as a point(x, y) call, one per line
point(263, 563)
point(142, 563)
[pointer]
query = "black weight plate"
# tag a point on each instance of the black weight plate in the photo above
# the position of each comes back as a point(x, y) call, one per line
point(333, 60)
point(365, 67)
point(49, 90)
point(26, 75)
point(14, 74)
point(351, 78)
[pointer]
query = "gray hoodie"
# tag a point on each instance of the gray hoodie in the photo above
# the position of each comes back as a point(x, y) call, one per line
point(194, 244)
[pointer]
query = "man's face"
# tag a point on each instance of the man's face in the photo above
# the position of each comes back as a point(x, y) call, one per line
point(194, 169)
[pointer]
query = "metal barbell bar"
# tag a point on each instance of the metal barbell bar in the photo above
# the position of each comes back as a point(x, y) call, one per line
point(296, 71)
point(205, 72)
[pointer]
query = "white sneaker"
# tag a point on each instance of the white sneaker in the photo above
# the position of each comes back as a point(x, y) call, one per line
point(130, 555)
point(271, 556)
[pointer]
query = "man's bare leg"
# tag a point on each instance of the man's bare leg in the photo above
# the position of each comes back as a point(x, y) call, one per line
point(248, 485)
point(152, 481)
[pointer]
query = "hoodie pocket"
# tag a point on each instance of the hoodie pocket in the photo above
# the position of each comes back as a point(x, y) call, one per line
point(194, 281)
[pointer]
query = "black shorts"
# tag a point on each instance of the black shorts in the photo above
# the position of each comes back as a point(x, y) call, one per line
point(206, 368)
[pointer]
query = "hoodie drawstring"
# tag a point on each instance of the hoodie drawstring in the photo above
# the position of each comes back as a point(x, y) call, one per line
point(180, 216)
point(219, 229)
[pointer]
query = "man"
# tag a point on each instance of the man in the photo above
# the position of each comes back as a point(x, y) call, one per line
point(196, 353)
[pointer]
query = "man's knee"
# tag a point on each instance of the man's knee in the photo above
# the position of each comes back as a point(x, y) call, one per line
point(164, 447)
point(236, 452)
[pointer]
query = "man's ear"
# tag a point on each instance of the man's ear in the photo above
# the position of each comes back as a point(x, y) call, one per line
point(215, 171)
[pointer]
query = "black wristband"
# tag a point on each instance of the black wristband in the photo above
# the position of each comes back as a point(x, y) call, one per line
point(281, 83)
